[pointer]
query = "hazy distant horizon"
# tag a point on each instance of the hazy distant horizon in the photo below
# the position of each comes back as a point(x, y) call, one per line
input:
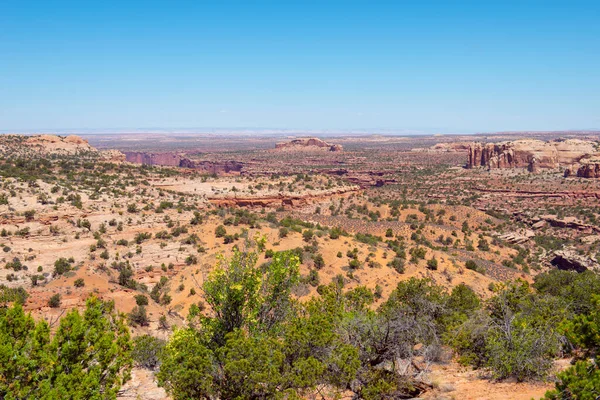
point(276, 131)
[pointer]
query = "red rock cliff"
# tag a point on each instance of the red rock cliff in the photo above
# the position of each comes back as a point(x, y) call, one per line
point(530, 154)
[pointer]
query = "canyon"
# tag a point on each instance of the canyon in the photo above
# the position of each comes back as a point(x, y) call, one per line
point(176, 160)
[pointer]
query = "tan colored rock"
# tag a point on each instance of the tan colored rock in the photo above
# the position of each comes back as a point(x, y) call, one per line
point(589, 170)
point(44, 145)
point(308, 144)
point(51, 144)
point(532, 155)
point(569, 260)
point(112, 155)
point(588, 167)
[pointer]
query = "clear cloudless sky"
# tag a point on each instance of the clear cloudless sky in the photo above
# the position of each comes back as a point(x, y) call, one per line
point(430, 66)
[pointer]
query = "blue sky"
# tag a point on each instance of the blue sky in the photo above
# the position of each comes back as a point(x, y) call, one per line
point(430, 66)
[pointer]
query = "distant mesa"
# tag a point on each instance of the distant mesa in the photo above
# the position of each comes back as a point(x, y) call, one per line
point(533, 155)
point(447, 147)
point(451, 147)
point(308, 144)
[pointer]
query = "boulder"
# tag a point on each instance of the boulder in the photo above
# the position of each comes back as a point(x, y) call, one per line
point(571, 261)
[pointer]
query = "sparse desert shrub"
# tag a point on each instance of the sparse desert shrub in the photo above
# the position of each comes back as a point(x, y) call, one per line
point(165, 300)
point(54, 301)
point(283, 232)
point(397, 264)
point(141, 237)
point(191, 259)
point(29, 214)
point(147, 351)
point(354, 264)
point(141, 300)
point(15, 265)
point(126, 276)
point(61, 266)
point(483, 245)
point(307, 235)
point(472, 265)
point(227, 239)
point(318, 260)
point(220, 231)
point(432, 264)
point(138, 316)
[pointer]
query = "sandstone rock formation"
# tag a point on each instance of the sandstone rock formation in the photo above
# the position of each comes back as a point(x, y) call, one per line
point(530, 154)
point(49, 144)
point(308, 144)
point(45, 145)
point(587, 167)
point(112, 155)
point(570, 260)
point(282, 200)
point(176, 160)
point(589, 170)
point(518, 237)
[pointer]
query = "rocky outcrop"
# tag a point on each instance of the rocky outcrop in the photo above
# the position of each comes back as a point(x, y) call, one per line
point(112, 155)
point(49, 144)
point(363, 179)
point(587, 167)
point(282, 199)
point(308, 144)
point(540, 222)
point(571, 261)
point(54, 145)
point(589, 170)
point(176, 160)
point(532, 155)
point(518, 237)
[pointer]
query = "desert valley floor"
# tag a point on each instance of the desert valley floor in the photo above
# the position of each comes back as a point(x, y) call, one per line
point(142, 220)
